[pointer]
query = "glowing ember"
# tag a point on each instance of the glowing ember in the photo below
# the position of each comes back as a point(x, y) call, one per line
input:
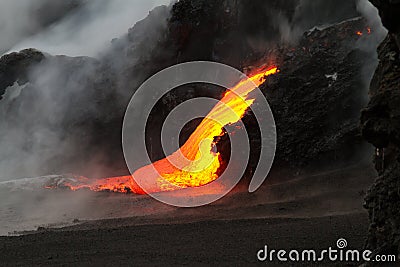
point(197, 162)
point(361, 33)
point(115, 184)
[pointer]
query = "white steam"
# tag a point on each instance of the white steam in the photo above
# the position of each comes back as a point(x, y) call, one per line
point(87, 31)
point(12, 30)
point(23, 18)
point(371, 14)
point(39, 119)
point(371, 43)
point(32, 135)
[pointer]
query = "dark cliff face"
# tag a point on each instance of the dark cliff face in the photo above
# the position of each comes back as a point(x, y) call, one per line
point(15, 67)
point(381, 127)
point(389, 12)
point(246, 34)
point(380, 120)
point(315, 99)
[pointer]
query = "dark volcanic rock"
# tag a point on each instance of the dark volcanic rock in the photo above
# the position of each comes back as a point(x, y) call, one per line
point(381, 126)
point(382, 203)
point(317, 93)
point(380, 120)
point(16, 66)
point(389, 11)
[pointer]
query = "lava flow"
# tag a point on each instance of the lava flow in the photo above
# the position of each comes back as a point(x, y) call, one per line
point(361, 33)
point(197, 162)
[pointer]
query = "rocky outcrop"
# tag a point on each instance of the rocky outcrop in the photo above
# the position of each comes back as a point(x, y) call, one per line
point(318, 93)
point(389, 11)
point(381, 127)
point(15, 67)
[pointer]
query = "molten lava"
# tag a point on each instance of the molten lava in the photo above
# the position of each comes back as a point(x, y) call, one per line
point(361, 33)
point(115, 184)
point(197, 162)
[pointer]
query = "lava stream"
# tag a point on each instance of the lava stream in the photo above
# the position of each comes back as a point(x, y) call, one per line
point(196, 163)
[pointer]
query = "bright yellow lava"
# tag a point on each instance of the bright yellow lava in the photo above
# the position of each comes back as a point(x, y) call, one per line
point(196, 163)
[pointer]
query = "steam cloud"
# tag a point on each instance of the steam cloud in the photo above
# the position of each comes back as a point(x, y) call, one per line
point(87, 31)
point(36, 118)
point(313, 13)
point(41, 121)
point(11, 30)
point(24, 18)
point(371, 14)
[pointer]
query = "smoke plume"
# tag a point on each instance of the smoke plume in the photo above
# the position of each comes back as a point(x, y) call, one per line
point(86, 31)
point(45, 120)
point(24, 18)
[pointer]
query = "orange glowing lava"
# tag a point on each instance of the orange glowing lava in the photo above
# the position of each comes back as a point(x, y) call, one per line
point(115, 184)
point(197, 162)
point(361, 33)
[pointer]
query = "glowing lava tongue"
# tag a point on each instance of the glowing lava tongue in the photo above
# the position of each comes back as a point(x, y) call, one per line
point(196, 163)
